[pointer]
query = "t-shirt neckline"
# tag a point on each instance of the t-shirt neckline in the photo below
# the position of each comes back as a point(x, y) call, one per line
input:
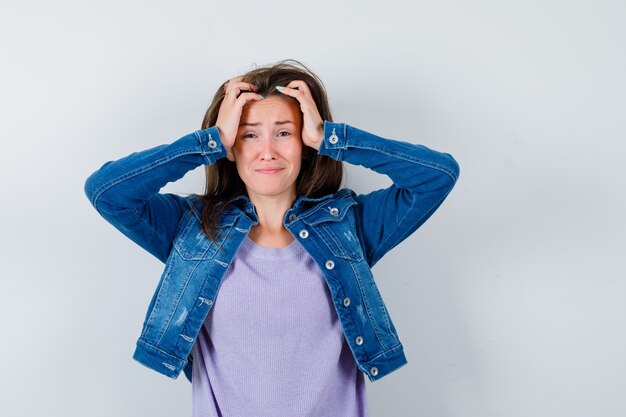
point(251, 247)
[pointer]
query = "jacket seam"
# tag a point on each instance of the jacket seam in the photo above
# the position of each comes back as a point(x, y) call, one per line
point(390, 234)
point(409, 158)
point(396, 347)
point(369, 315)
point(188, 279)
point(108, 185)
point(143, 340)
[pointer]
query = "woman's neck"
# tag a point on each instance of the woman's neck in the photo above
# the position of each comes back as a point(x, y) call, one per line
point(270, 232)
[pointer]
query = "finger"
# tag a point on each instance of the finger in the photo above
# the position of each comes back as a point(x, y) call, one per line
point(235, 88)
point(232, 80)
point(299, 84)
point(248, 96)
point(242, 85)
point(295, 93)
point(248, 92)
point(304, 97)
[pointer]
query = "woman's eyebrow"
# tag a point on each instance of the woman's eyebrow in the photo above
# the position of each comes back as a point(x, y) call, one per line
point(280, 122)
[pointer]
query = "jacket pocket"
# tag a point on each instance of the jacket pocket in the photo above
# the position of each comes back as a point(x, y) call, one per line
point(335, 224)
point(192, 244)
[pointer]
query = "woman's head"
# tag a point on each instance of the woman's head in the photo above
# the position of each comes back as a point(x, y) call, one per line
point(317, 175)
point(268, 148)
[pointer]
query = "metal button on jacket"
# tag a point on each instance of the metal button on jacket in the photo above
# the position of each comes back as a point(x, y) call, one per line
point(292, 217)
point(333, 139)
point(359, 340)
point(212, 143)
point(374, 371)
point(346, 301)
point(330, 264)
point(304, 233)
point(334, 211)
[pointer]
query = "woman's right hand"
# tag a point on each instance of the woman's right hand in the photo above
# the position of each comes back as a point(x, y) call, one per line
point(230, 111)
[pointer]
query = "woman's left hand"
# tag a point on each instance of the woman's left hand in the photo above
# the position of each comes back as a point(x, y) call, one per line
point(312, 123)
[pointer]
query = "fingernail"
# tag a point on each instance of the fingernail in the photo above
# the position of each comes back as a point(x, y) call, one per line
point(260, 96)
point(279, 88)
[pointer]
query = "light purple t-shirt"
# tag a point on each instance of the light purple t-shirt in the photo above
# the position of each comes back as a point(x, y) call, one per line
point(272, 345)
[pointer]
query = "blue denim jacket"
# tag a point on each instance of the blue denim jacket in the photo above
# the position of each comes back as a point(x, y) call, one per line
point(345, 233)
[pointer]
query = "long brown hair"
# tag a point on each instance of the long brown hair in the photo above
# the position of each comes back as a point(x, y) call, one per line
point(319, 175)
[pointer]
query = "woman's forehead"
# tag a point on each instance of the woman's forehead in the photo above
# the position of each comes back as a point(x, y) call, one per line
point(270, 110)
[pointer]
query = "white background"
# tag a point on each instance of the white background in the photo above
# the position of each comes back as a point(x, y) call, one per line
point(510, 300)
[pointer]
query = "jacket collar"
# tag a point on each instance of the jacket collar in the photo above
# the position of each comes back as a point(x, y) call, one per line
point(243, 205)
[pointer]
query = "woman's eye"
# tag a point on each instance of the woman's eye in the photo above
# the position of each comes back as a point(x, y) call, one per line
point(248, 135)
point(284, 133)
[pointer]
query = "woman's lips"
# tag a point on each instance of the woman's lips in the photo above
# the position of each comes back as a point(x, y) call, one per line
point(268, 170)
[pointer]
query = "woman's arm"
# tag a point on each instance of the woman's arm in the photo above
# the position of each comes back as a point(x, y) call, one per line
point(422, 179)
point(126, 192)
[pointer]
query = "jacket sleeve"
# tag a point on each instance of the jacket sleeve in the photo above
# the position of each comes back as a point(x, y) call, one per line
point(422, 179)
point(126, 191)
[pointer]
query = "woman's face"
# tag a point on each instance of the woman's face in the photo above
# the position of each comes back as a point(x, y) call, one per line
point(268, 148)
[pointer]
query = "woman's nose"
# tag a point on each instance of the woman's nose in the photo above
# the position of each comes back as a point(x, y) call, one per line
point(267, 149)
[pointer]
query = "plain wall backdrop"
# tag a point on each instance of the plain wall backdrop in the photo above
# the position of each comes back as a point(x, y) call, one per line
point(510, 301)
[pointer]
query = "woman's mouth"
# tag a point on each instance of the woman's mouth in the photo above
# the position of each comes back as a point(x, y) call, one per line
point(268, 170)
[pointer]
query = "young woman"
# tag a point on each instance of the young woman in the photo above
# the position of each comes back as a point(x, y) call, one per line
point(267, 301)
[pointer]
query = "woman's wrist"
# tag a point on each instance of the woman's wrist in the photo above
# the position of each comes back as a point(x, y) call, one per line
point(317, 142)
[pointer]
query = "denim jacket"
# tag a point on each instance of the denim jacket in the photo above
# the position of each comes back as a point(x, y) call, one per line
point(345, 233)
